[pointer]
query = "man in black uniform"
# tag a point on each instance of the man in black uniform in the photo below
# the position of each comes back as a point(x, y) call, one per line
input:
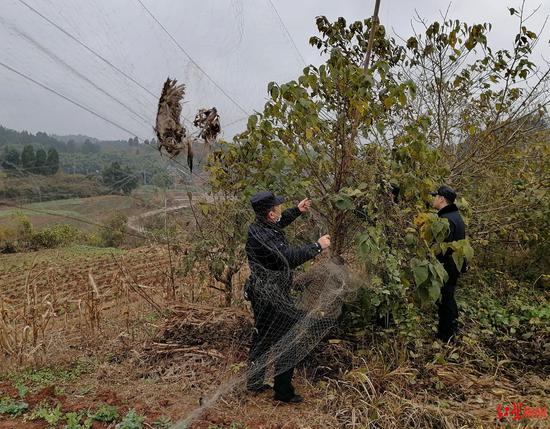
point(272, 260)
point(444, 199)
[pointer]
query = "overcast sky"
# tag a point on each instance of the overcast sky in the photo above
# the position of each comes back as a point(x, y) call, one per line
point(240, 44)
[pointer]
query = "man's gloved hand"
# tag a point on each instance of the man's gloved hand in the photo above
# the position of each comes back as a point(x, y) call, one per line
point(324, 241)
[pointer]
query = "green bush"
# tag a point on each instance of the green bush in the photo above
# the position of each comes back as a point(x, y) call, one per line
point(17, 237)
point(114, 232)
point(55, 236)
point(7, 240)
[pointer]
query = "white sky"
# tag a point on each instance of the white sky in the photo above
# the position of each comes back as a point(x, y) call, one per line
point(239, 43)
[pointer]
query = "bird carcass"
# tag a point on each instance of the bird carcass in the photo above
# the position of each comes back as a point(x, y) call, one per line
point(170, 132)
point(208, 121)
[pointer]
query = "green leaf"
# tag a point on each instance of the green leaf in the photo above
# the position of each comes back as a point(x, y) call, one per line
point(468, 250)
point(410, 239)
point(458, 259)
point(252, 121)
point(402, 98)
point(389, 102)
point(441, 273)
point(421, 274)
point(343, 202)
point(434, 291)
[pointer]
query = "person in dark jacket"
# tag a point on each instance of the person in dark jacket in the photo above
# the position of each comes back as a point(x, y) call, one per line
point(444, 199)
point(272, 260)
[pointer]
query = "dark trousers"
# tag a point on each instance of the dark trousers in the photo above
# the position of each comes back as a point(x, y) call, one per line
point(447, 308)
point(270, 325)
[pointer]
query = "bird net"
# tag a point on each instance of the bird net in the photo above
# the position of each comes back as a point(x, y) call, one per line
point(292, 316)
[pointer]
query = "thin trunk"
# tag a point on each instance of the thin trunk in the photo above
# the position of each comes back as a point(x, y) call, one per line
point(374, 28)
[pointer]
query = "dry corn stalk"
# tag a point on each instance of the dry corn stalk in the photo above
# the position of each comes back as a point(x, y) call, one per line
point(92, 305)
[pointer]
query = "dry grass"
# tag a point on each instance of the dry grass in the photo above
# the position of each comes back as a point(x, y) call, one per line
point(50, 308)
point(386, 389)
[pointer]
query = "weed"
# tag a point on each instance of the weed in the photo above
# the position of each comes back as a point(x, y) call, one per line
point(132, 420)
point(43, 377)
point(105, 413)
point(74, 421)
point(52, 416)
point(8, 406)
point(59, 390)
point(163, 422)
point(22, 390)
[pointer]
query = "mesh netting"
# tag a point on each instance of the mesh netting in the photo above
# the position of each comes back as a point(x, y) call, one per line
point(292, 316)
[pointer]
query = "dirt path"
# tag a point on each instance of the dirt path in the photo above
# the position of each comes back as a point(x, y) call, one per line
point(133, 221)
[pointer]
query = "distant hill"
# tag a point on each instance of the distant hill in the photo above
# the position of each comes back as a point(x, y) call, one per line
point(77, 138)
point(80, 154)
point(21, 138)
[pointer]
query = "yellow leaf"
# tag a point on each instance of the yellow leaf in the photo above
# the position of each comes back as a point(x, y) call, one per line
point(420, 219)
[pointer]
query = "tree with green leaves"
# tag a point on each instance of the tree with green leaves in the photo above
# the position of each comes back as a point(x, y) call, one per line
point(52, 162)
point(162, 180)
point(88, 147)
point(28, 159)
point(368, 146)
point(11, 159)
point(120, 179)
point(221, 226)
point(40, 161)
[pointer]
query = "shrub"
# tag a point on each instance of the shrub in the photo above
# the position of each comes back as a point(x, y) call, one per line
point(115, 230)
point(7, 240)
point(55, 236)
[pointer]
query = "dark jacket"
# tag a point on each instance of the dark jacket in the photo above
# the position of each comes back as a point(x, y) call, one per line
point(456, 224)
point(457, 230)
point(270, 256)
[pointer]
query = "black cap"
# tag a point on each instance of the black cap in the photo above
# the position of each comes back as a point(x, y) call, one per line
point(263, 201)
point(447, 192)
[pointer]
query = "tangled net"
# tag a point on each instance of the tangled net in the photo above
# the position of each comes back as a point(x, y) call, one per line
point(294, 324)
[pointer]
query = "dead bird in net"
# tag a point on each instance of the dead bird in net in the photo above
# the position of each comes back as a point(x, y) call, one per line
point(208, 121)
point(170, 132)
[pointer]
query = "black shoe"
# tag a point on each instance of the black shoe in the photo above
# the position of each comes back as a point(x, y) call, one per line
point(446, 338)
point(259, 389)
point(296, 399)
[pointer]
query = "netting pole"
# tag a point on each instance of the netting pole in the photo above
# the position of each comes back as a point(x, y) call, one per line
point(374, 27)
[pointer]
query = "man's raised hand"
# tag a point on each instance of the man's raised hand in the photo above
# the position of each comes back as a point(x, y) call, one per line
point(324, 241)
point(304, 205)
